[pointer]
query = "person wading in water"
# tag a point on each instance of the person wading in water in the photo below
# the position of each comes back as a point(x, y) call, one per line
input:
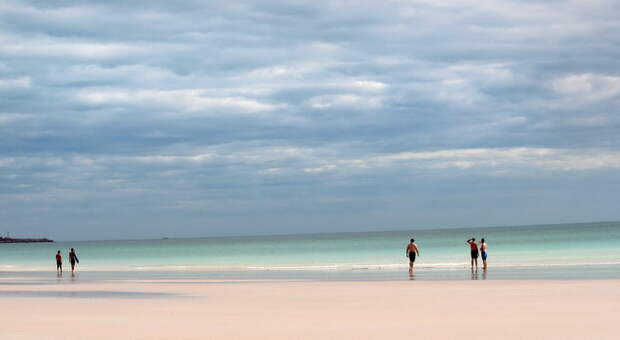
point(73, 259)
point(483, 253)
point(58, 263)
point(411, 251)
point(474, 251)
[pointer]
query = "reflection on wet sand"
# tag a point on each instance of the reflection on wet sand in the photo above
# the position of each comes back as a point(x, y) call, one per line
point(83, 294)
point(474, 273)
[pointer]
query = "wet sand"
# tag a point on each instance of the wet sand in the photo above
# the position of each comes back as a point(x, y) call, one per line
point(200, 309)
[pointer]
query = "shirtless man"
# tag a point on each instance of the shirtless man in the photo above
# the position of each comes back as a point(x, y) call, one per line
point(73, 259)
point(483, 253)
point(474, 251)
point(411, 251)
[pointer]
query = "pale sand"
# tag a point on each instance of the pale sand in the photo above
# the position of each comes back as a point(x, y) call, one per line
point(315, 310)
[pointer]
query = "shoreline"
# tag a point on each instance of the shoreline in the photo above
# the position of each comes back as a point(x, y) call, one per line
point(312, 267)
point(521, 273)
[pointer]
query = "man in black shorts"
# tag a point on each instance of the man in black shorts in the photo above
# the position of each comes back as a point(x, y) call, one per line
point(473, 251)
point(411, 251)
point(73, 259)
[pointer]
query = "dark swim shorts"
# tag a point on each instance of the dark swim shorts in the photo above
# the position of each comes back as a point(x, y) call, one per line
point(484, 255)
point(412, 256)
point(474, 254)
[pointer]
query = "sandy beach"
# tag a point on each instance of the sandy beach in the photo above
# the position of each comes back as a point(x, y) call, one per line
point(311, 310)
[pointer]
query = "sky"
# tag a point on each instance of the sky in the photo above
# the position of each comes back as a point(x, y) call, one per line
point(134, 119)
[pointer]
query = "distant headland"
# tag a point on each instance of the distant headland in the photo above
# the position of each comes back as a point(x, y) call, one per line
point(23, 240)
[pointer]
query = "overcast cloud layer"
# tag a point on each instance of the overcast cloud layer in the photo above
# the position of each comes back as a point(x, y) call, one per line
point(123, 119)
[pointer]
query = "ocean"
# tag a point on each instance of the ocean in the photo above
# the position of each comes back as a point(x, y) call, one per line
point(586, 250)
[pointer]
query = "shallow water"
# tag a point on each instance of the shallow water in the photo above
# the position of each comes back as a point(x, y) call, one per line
point(541, 249)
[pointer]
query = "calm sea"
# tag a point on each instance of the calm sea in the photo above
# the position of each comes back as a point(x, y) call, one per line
point(526, 249)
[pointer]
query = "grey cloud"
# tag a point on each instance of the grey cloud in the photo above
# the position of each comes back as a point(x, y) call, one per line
point(341, 83)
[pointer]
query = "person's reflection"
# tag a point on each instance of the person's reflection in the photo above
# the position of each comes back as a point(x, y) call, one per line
point(484, 274)
point(411, 275)
point(474, 274)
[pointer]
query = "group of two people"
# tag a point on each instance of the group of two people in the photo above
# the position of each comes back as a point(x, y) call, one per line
point(474, 247)
point(412, 251)
point(72, 258)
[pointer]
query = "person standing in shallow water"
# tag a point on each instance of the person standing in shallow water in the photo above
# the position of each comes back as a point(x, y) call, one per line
point(411, 251)
point(58, 263)
point(73, 259)
point(473, 251)
point(483, 253)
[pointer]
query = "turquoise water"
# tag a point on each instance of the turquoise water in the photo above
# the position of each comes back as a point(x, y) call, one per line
point(586, 244)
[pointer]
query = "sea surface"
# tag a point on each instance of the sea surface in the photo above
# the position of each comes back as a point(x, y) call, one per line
point(560, 251)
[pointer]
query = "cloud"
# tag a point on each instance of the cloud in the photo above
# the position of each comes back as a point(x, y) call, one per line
point(261, 161)
point(301, 103)
point(512, 159)
point(345, 100)
point(588, 86)
point(9, 118)
point(48, 47)
point(21, 82)
point(186, 100)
